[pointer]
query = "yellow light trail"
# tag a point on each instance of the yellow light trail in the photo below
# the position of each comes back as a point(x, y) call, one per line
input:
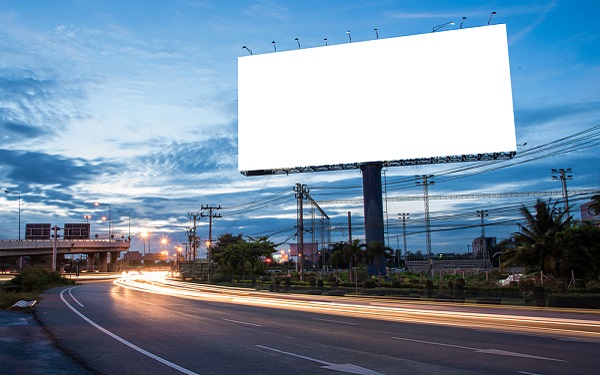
point(476, 317)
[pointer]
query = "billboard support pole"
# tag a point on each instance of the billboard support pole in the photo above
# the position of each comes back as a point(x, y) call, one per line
point(373, 208)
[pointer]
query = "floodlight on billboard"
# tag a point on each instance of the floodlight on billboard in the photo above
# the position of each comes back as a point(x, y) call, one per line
point(421, 96)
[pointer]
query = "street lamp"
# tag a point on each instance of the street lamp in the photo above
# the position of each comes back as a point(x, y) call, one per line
point(14, 192)
point(109, 219)
point(128, 223)
point(145, 234)
point(87, 218)
point(439, 27)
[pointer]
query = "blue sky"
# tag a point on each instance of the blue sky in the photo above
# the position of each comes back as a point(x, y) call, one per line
point(134, 104)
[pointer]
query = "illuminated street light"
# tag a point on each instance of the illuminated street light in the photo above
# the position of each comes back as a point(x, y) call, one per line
point(128, 222)
point(144, 235)
point(87, 218)
point(109, 218)
point(14, 192)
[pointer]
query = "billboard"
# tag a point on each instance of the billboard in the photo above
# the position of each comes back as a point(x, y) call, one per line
point(310, 249)
point(37, 231)
point(76, 231)
point(429, 95)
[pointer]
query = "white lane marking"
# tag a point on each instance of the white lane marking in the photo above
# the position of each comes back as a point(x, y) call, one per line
point(335, 321)
point(347, 367)
point(125, 342)
point(237, 321)
point(75, 299)
point(485, 351)
point(528, 373)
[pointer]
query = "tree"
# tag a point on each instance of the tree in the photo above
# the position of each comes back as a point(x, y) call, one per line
point(536, 246)
point(355, 252)
point(256, 249)
point(376, 253)
point(581, 254)
point(232, 259)
point(225, 254)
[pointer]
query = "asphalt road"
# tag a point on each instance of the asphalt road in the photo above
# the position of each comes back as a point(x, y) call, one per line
point(116, 330)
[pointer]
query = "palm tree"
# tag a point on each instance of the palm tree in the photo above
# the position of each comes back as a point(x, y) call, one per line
point(537, 247)
point(355, 252)
point(377, 252)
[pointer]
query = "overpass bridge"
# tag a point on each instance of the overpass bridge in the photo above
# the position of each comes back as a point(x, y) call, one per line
point(11, 248)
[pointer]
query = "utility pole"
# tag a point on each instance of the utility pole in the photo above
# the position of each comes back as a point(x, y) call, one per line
point(482, 214)
point(210, 215)
point(561, 174)
point(426, 180)
point(193, 240)
point(55, 246)
point(301, 193)
point(404, 216)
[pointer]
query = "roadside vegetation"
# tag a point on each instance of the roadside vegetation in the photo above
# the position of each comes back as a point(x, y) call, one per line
point(560, 259)
point(28, 285)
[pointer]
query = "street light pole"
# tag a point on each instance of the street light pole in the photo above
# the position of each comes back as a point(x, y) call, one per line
point(109, 219)
point(14, 192)
point(128, 223)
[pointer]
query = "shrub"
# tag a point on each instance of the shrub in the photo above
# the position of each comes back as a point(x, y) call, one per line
point(38, 278)
point(459, 291)
point(337, 292)
point(369, 283)
point(287, 284)
point(320, 284)
point(312, 281)
point(539, 295)
point(429, 288)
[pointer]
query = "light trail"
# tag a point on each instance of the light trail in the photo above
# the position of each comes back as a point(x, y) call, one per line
point(462, 316)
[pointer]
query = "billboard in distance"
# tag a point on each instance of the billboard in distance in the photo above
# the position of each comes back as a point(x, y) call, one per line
point(429, 95)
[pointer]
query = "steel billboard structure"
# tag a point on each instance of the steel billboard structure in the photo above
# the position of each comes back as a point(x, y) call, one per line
point(442, 97)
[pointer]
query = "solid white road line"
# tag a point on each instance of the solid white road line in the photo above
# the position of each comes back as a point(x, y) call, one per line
point(125, 342)
point(237, 321)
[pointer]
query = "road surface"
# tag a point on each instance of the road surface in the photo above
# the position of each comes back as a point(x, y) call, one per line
point(152, 327)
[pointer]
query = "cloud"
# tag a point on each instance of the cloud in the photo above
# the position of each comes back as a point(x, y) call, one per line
point(268, 9)
point(26, 167)
point(36, 103)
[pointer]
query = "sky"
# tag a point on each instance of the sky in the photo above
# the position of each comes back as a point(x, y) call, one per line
point(133, 104)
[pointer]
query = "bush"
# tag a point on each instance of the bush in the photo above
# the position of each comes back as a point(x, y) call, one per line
point(459, 291)
point(539, 295)
point(37, 278)
point(287, 284)
point(337, 292)
point(369, 283)
point(320, 284)
point(429, 288)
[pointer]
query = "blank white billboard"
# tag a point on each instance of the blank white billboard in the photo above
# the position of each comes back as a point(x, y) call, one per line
point(438, 94)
